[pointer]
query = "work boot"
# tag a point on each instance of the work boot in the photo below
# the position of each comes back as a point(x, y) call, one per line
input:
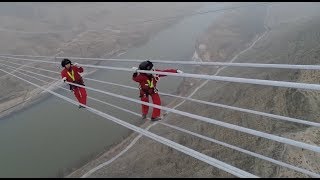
point(81, 107)
point(156, 119)
point(144, 116)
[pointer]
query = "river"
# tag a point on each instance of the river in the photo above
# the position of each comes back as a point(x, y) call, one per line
point(42, 139)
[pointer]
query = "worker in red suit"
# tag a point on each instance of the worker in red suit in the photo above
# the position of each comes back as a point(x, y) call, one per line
point(148, 87)
point(70, 73)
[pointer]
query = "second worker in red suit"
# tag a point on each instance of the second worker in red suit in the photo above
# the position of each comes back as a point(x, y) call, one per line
point(71, 74)
point(148, 87)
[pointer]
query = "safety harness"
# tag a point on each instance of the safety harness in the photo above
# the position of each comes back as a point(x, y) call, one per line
point(150, 85)
point(71, 75)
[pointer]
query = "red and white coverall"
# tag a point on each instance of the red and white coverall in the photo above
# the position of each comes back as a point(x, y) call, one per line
point(72, 75)
point(148, 86)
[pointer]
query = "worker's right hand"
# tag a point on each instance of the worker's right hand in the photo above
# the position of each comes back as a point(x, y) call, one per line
point(135, 69)
point(179, 71)
point(64, 79)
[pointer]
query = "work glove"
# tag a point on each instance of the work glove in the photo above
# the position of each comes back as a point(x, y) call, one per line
point(64, 79)
point(135, 69)
point(76, 64)
point(179, 71)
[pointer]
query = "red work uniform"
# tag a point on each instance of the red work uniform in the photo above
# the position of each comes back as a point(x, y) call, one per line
point(73, 76)
point(148, 86)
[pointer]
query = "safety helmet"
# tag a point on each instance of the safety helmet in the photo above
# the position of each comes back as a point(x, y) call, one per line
point(64, 62)
point(146, 65)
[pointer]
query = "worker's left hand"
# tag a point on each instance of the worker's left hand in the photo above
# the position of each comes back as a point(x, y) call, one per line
point(64, 79)
point(76, 64)
point(179, 71)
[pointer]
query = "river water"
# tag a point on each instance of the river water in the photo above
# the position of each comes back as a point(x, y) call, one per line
point(42, 139)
